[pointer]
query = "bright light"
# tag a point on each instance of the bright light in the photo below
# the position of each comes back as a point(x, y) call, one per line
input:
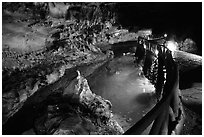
point(165, 35)
point(145, 46)
point(172, 45)
point(156, 52)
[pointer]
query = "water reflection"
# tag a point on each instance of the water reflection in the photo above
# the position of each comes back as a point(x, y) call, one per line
point(131, 94)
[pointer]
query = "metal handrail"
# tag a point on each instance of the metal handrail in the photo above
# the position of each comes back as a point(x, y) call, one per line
point(167, 108)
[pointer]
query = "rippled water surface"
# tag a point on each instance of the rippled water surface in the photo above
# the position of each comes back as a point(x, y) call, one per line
point(131, 94)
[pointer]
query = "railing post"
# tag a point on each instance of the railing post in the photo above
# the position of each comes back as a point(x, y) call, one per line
point(165, 123)
point(157, 125)
point(175, 102)
point(166, 112)
point(160, 76)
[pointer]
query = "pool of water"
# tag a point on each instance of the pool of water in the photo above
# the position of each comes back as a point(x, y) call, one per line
point(131, 94)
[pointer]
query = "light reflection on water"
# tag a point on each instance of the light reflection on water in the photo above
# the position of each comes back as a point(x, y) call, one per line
point(131, 95)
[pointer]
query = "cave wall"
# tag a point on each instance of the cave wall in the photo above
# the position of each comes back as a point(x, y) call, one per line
point(183, 19)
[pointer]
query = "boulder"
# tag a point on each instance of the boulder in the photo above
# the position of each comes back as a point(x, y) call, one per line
point(188, 45)
point(87, 114)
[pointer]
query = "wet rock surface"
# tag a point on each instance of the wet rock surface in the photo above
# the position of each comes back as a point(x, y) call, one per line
point(28, 63)
point(192, 123)
point(192, 97)
point(28, 68)
point(62, 112)
point(40, 58)
point(29, 81)
point(32, 61)
point(192, 104)
point(187, 61)
point(88, 114)
point(55, 108)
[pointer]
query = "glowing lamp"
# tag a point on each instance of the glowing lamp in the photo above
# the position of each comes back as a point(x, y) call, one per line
point(171, 45)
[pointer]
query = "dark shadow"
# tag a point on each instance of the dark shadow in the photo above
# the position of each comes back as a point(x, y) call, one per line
point(195, 107)
point(183, 19)
point(145, 98)
point(188, 78)
point(20, 122)
point(123, 47)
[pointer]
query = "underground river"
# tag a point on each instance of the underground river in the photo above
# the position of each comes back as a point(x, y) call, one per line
point(131, 94)
point(118, 80)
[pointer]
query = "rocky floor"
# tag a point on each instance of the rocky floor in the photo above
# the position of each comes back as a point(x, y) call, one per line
point(192, 123)
point(192, 97)
point(37, 71)
point(192, 103)
point(74, 110)
point(32, 62)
